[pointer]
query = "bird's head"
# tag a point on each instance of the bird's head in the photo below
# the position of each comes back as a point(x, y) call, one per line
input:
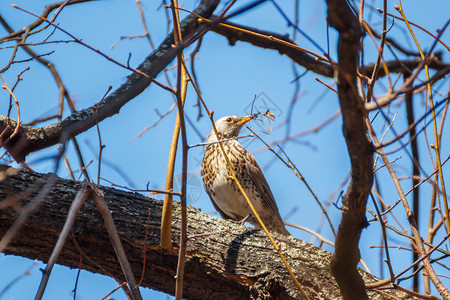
point(228, 127)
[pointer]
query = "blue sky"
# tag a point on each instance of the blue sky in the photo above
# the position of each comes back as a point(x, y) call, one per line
point(229, 77)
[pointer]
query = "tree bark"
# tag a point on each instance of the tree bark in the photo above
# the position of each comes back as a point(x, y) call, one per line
point(223, 260)
point(360, 149)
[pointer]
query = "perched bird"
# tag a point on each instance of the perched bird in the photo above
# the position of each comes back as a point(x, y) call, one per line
point(219, 183)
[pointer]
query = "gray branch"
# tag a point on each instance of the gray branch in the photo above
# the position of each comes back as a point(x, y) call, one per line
point(233, 262)
point(32, 139)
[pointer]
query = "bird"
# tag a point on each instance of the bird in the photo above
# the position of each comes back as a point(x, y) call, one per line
point(219, 184)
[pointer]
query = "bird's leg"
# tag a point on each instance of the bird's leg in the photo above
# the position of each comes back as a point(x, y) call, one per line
point(245, 219)
point(240, 222)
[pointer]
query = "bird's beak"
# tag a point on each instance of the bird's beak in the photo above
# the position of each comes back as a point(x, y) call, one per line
point(244, 120)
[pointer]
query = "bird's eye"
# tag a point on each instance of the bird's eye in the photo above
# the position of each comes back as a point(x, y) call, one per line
point(229, 120)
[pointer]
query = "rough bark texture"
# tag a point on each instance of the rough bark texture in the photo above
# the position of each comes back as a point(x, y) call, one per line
point(236, 264)
point(360, 149)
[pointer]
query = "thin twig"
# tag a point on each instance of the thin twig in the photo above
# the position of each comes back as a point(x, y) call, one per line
point(153, 191)
point(161, 117)
point(410, 216)
point(437, 146)
point(18, 278)
point(77, 203)
point(416, 25)
point(79, 41)
point(379, 56)
point(102, 207)
point(16, 130)
point(271, 38)
point(221, 141)
point(182, 81)
point(123, 284)
point(383, 230)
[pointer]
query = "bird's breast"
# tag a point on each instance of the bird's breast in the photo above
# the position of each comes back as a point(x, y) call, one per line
point(219, 182)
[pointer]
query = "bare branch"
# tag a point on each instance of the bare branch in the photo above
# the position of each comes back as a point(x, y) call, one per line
point(32, 139)
point(360, 149)
point(65, 232)
point(48, 9)
point(309, 62)
point(301, 58)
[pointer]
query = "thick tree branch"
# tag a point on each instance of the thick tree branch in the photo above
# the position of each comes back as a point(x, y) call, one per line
point(32, 139)
point(405, 65)
point(231, 262)
point(309, 62)
point(303, 59)
point(360, 149)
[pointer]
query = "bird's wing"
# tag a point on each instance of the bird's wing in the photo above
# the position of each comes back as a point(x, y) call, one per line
point(261, 184)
